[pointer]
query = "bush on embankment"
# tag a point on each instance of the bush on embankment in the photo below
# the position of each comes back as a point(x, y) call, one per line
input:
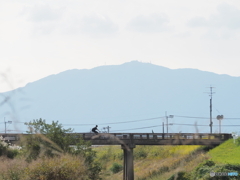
point(222, 159)
point(46, 154)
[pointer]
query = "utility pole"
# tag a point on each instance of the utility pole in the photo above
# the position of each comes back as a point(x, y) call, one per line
point(107, 128)
point(6, 125)
point(210, 94)
point(163, 127)
point(166, 120)
point(170, 116)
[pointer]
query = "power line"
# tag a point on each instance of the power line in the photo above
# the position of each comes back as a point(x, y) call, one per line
point(137, 128)
point(191, 117)
point(146, 127)
point(121, 122)
point(204, 117)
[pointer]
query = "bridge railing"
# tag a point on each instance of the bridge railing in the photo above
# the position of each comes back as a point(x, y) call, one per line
point(157, 136)
point(136, 136)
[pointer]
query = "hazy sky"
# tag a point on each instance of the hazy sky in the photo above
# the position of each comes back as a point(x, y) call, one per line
point(39, 38)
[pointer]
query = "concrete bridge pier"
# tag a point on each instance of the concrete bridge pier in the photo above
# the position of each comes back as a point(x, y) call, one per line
point(128, 168)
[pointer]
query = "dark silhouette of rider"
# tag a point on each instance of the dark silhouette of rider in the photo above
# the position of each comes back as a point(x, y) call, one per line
point(95, 129)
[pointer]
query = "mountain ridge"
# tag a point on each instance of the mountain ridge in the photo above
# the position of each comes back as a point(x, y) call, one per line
point(127, 90)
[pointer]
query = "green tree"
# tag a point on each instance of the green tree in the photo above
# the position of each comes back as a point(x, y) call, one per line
point(49, 140)
point(54, 132)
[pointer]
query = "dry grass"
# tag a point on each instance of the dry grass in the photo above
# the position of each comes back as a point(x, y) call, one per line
point(12, 168)
point(65, 167)
point(160, 161)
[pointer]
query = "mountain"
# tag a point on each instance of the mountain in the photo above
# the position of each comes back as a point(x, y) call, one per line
point(132, 91)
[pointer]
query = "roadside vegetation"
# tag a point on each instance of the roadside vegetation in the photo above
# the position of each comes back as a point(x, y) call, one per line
point(151, 162)
point(46, 154)
point(173, 162)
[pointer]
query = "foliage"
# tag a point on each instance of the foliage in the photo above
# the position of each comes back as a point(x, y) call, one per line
point(47, 139)
point(204, 169)
point(84, 149)
point(179, 176)
point(116, 168)
point(150, 162)
point(3, 148)
point(59, 168)
point(12, 169)
point(52, 140)
point(208, 163)
point(53, 132)
point(238, 141)
point(140, 153)
point(65, 167)
point(7, 149)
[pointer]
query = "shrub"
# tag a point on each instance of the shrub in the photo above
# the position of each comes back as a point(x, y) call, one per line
point(116, 168)
point(203, 170)
point(179, 176)
point(140, 153)
point(3, 148)
point(11, 153)
point(8, 150)
point(47, 139)
point(209, 163)
point(58, 168)
point(120, 156)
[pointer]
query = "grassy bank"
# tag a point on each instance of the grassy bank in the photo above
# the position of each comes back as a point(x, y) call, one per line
point(171, 162)
point(227, 152)
point(151, 162)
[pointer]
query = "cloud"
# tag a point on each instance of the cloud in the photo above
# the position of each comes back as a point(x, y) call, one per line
point(43, 19)
point(227, 17)
point(153, 23)
point(98, 24)
point(41, 13)
point(94, 25)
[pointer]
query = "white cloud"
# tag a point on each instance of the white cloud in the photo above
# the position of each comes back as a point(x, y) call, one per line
point(224, 24)
point(227, 17)
point(42, 18)
point(153, 23)
point(98, 25)
point(41, 13)
point(93, 25)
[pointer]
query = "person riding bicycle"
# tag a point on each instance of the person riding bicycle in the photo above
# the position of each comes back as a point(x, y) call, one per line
point(95, 129)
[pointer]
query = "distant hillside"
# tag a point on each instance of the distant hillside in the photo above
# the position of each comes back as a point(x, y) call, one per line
point(127, 92)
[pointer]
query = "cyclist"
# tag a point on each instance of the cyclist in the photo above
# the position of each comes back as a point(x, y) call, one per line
point(95, 129)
